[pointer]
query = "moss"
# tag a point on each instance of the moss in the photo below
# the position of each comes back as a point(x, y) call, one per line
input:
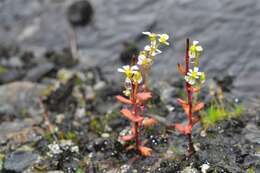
point(80, 170)
point(71, 136)
point(219, 108)
point(2, 157)
point(96, 125)
point(2, 70)
point(218, 112)
point(250, 170)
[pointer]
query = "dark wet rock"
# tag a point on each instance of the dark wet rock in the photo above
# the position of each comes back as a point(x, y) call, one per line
point(22, 97)
point(218, 169)
point(61, 58)
point(80, 13)
point(61, 100)
point(130, 50)
point(7, 51)
point(168, 166)
point(38, 72)
point(225, 82)
point(94, 75)
point(70, 165)
point(18, 161)
point(7, 112)
point(27, 57)
point(11, 75)
point(252, 133)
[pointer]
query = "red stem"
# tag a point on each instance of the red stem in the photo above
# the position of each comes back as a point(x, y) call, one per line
point(189, 94)
point(135, 110)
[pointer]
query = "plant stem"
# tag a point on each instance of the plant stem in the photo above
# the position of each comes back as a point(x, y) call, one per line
point(135, 110)
point(189, 94)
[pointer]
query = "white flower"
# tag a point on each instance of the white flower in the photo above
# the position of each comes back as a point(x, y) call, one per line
point(195, 49)
point(204, 168)
point(54, 148)
point(128, 71)
point(137, 78)
point(127, 92)
point(163, 39)
point(152, 50)
point(143, 60)
point(195, 73)
point(74, 149)
point(189, 79)
point(146, 33)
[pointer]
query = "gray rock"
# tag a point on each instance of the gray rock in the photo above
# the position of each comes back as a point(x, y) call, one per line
point(11, 75)
point(12, 130)
point(18, 161)
point(252, 133)
point(189, 170)
point(38, 72)
point(20, 98)
point(6, 110)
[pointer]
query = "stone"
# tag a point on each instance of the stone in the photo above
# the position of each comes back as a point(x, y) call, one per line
point(19, 131)
point(80, 13)
point(21, 98)
point(189, 169)
point(18, 161)
point(38, 72)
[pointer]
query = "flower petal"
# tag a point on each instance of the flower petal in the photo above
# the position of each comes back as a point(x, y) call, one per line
point(120, 70)
point(195, 42)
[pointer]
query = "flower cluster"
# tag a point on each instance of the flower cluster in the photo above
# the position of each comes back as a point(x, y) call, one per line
point(137, 91)
point(146, 57)
point(194, 76)
point(134, 74)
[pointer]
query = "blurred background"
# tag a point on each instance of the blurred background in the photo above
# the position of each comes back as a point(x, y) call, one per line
point(102, 32)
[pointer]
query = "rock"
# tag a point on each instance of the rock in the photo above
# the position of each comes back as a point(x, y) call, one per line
point(61, 59)
point(252, 133)
point(18, 161)
point(19, 131)
point(80, 13)
point(62, 100)
point(15, 62)
point(38, 72)
point(21, 98)
point(189, 170)
point(6, 111)
point(11, 75)
point(225, 82)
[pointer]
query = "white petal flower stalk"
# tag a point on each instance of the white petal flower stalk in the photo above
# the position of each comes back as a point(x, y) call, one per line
point(146, 57)
point(194, 75)
point(143, 60)
point(163, 38)
point(133, 76)
point(138, 73)
point(195, 49)
point(128, 71)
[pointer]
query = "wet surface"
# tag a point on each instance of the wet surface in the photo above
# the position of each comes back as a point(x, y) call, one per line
point(228, 30)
